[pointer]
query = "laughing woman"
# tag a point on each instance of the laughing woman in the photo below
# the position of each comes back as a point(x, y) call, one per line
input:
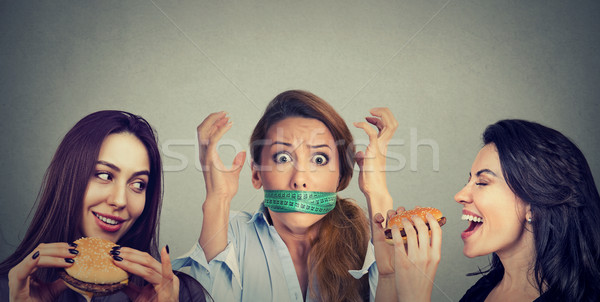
point(104, 181)
point(305, 243)
point(532, 202)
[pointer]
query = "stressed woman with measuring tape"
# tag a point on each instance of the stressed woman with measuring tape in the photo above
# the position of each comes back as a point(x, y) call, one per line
point(305, 243)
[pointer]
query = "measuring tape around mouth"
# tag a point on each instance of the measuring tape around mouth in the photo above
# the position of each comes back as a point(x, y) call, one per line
point(285, 201)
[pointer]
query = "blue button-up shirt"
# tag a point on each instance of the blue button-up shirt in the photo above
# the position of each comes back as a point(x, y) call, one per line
point(256, 264)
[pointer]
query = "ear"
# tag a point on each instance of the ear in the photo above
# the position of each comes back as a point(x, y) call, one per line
point(256, 181)
point(528, 214)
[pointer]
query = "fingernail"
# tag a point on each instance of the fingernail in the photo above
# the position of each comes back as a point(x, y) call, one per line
point(115, 252)
point(73, 244)
point(116, 247)
point(167, 247)
point(69, 260)
point(73, 251)
point(35, 255)
point(117, 258)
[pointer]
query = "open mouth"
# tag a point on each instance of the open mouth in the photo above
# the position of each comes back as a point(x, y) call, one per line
point(475, 222)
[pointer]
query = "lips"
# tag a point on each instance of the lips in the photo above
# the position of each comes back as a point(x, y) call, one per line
point(475, 222)
point(108, 223)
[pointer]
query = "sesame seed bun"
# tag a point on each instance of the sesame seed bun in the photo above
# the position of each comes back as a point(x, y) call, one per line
point(418, 211)
point(94, 272)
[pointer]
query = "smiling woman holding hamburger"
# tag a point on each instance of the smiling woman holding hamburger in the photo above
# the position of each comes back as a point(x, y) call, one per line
point(103, 182)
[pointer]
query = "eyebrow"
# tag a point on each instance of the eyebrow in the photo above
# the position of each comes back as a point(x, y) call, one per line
point(488, 171)
point(112, 166)
point(290, 145)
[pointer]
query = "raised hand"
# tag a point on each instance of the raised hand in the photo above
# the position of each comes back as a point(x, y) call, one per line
point(220, 181)
point(23, 286)
point(372, 179)
point(221, 184)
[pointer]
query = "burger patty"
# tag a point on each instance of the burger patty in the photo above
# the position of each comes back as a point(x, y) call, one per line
point(97, 289)
point(388, 232)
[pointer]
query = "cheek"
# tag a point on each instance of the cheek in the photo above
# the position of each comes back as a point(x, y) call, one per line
point(136, 206)
point(93, 195)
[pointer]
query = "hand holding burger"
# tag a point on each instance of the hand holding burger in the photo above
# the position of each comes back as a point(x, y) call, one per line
point(408, 262)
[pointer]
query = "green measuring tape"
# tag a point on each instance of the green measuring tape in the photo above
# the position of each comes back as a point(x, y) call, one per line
point(284, 201)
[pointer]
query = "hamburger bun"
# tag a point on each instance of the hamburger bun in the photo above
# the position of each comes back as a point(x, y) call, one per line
point(418, 211)
point(94, 273)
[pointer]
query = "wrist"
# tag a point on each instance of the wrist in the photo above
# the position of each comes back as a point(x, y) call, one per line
point(215, 205)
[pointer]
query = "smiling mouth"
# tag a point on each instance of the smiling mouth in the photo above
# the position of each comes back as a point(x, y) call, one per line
point(106, 219)
point(474, 223)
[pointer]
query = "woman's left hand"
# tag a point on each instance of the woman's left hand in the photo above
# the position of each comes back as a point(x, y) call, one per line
point(372, 161)
point(164, 285)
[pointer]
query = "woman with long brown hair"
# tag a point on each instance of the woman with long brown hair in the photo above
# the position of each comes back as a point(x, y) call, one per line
point(105, 180)
point(305, 243)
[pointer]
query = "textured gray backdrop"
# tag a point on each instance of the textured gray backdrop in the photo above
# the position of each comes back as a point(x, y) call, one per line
point(445, 68)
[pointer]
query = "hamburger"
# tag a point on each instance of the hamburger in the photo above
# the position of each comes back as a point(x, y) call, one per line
point(420, 212)
point(94, 273)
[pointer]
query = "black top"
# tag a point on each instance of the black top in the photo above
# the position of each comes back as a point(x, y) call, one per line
point(484, 286)
point(189, 291)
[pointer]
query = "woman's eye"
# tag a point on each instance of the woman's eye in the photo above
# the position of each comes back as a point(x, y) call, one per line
point(320, 159)
point(282, 158)
point(104, 175)
point(139, 185)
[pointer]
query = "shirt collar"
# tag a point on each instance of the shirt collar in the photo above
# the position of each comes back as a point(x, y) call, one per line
point(259, 215)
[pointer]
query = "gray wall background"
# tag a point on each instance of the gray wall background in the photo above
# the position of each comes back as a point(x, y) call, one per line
point(445, 68)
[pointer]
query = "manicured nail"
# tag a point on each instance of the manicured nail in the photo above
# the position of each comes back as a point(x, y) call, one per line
point(73, 244)
point(35, 255)
point(115, 252)
point(69, 260)
point(73, 251)
point(117, 258)
point(116, 247)
point(167, 247)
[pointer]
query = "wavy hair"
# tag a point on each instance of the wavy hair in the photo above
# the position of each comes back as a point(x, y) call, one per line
point(330, 256)
point(547, 171)
point(60, 200)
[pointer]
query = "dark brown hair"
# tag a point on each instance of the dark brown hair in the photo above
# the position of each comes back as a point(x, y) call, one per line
point(549, 172)
point(343, 236)
point(60, 201)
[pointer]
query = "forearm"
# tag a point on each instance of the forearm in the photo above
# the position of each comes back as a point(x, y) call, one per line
point(213, 236)
point(386, 289)
point(379, 202)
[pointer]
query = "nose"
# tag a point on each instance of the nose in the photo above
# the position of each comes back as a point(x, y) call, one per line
point(299, 180)
point(118, 198)
point(464, 195)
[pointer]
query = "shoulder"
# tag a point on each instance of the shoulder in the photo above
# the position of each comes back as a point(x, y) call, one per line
point(190, 289)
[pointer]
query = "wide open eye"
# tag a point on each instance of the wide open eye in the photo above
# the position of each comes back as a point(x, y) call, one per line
point(282, 157)
point(320, 159)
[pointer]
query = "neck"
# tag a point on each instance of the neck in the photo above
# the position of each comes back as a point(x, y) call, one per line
point(518, 265)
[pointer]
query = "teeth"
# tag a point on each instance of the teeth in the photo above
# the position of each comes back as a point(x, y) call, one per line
point(471, 218)
point(107, 220)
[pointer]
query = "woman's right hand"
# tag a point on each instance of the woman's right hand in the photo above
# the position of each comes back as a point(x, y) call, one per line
point(412, 264)
point(220, 182)
point(23, 285)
